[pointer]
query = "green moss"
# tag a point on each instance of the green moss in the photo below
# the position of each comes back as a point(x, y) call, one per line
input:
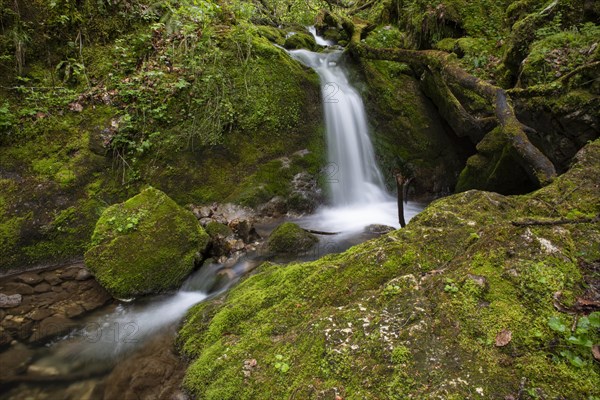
point(557, 52)
point(407, 131)
point(167, 240)
point(377, 322)
point(290, 238)
point(214, 229)
point(300, 40)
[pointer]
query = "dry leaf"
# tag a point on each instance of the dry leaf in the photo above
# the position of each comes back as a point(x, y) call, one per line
point(503, 337)
point(596, 352)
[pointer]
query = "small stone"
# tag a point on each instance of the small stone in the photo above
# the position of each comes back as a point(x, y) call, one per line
point(52, 278)
point(40, 314)
point(42, 288)
point(17, 288)
point(69, 273)
point(83, 275)
point(73, 310)
point(51, 327)
point(7, 301)
point(30, 278)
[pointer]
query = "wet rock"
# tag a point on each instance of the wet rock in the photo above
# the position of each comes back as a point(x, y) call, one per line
point(73, 310)
point(244, 230)
point(52, 278)
point(276, 207)
point(42, 370)
point(17, 326)
point(40, 314)
point(153, 372)
point(70, 286)
point(95, 298)
point(71, 272)
point(5, 338)
point(51, 327)
point(377, 229)
point(306, 195)
point(9, 301)
point(30, 278)
point(289, 238)
point(17, 288)
point(202, 212)
point(15, 360)
point(42, 287)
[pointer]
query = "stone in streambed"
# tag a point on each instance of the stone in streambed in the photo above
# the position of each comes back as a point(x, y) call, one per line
point(289, 238)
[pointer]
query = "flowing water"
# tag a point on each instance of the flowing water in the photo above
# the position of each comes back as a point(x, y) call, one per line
point(358, 194)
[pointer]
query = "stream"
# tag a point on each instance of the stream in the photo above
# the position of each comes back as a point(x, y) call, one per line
point(108, 337)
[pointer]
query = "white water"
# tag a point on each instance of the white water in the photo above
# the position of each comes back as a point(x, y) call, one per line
point(358, 194)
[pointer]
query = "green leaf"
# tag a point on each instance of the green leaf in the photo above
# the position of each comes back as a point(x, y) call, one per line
point(594, 319)
point(580, 341)
point(583, 325)
point(556, 324)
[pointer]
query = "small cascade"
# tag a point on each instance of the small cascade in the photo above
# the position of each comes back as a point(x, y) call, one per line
point(358, 194)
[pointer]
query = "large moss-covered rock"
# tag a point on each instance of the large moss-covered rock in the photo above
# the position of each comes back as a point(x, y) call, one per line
point(289, 238)
point(460, 304)
point(145, 245)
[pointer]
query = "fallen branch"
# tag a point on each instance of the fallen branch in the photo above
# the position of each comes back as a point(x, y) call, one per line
point(561, 221)
point(320, 232)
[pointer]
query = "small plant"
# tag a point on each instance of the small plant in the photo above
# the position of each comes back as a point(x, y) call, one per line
point(450, 286)
point(580, 341)
point(281, 365)
point(128, 224)
point(391, 290)
point(400, 355)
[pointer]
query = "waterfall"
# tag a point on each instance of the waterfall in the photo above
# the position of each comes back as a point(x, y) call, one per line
point(358, 194)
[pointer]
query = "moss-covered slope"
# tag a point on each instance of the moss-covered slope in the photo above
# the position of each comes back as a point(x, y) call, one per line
point(459, 304)
point(194, 101)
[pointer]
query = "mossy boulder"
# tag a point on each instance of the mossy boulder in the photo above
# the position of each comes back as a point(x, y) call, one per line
point(147, 244)
point(300, 40)
point(215, 229)
point(289, 238)
point(459, 304)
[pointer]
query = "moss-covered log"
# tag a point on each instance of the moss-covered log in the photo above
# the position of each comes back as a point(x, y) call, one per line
point(514, 144)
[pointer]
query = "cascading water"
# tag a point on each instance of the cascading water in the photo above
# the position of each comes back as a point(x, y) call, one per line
point(358, 194)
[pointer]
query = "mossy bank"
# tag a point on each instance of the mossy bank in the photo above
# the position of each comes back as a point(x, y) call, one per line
point(459, 304)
